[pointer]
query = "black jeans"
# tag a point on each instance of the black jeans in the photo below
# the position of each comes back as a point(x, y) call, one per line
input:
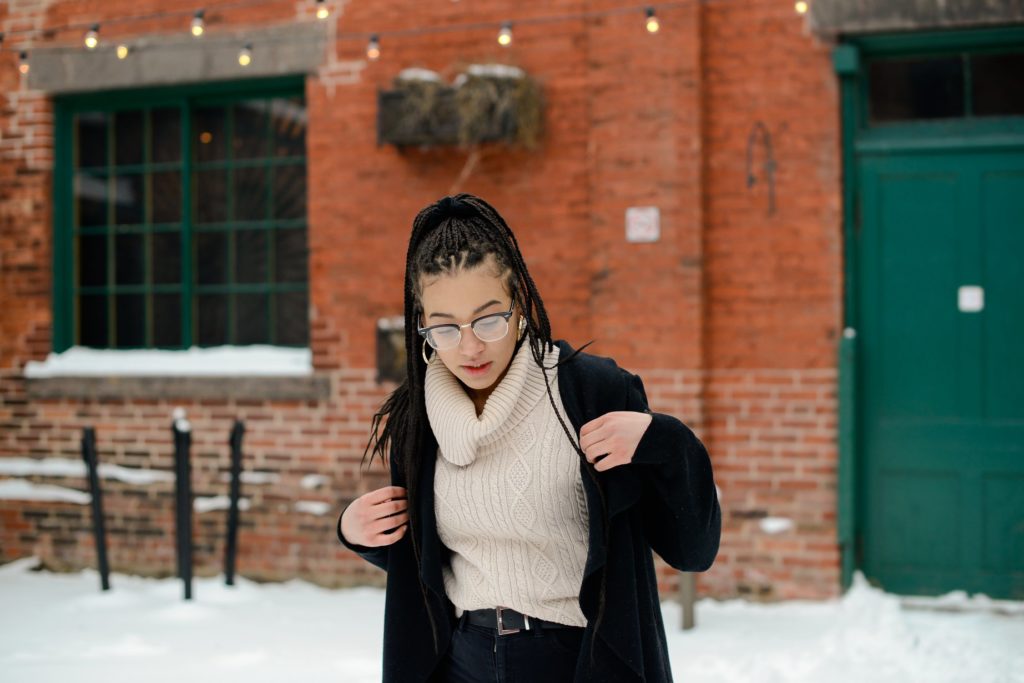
point(477, 654)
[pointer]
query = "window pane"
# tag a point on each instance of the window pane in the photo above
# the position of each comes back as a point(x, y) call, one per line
point(166, 197)
point(292, 322)
point(92, 260)
point(250, 135)
point(92, 320)
point(905, 89)
point(211, 257)
point(210, 196)
point(250, 193)
point(128, 137)
point(290, 255)
point(91, 200)
point(167, 320)
point(290, 191)
point(288, 124)
point(251, 256)
point(131, 320)
point(212, 315)
point(91, 139)
point(128, 197)
point(998, 84)
point(165, 128)
point(166, 258)
point(208, 134)
point(130, 265)
point(251, 319)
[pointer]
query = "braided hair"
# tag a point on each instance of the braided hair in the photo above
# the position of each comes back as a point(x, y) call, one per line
point(459, 232)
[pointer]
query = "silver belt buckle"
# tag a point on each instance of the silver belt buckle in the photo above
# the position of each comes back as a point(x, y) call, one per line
point(502, 631)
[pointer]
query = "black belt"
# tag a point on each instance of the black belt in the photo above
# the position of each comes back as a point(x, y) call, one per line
point(507, 620)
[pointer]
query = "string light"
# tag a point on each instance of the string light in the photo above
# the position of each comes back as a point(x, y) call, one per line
point(197, 24)
point(23, 63)
point(373, 48)
point(92, 37)
point(245, 55)
point(652, 21)
point(122, 51)
point(505, 34)
point(801, 7)
point(322, 12)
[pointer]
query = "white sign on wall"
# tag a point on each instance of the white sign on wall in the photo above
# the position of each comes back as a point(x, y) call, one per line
point(643, 224)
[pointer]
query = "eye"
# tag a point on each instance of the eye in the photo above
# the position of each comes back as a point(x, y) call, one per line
point(489, 322)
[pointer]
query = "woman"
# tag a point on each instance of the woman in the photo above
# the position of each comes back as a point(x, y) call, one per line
point(534, 479)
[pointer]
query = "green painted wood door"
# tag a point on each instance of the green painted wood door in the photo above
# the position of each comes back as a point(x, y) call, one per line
point(941, 273)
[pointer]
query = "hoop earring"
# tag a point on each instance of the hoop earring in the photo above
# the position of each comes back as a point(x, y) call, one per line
point(522, 327)
point(423, 352)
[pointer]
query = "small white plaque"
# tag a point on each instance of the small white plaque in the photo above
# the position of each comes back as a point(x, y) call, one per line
point(643, 224)
point(971, 298)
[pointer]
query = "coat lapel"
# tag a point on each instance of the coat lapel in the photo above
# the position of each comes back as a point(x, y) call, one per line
point(430, 542)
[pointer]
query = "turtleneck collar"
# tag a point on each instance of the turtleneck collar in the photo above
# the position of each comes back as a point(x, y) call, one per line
point(453, 419)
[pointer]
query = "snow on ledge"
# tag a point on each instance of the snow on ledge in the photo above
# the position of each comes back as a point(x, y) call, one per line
point(65, 467)
point(255, 360)
point(314, 507)
point(19, 489)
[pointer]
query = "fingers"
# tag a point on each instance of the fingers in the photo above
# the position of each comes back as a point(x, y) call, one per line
point(385, 493)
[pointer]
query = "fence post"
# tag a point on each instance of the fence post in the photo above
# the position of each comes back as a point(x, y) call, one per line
point(99, 529)
point(687, 596)
point(235, 441)
point(182, 432)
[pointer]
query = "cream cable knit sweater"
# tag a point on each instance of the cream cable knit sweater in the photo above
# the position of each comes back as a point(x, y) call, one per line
point(509, 501)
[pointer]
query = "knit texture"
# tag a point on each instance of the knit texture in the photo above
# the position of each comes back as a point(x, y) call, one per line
point(508, 497)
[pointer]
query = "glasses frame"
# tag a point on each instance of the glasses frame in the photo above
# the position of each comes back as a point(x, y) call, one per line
point(424, 331)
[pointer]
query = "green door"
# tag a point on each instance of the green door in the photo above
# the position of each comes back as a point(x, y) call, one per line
point(940, 252)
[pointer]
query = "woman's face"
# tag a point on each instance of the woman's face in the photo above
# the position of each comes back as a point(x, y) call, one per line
point(462, 298)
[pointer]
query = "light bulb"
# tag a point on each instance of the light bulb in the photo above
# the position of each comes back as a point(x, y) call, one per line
point(92, 37)
point(505, 34)
point(652, 21)
point(801, 7)
point(321, 10)
point(245, 55)
point(23, 63)
point(122, 51)
point(373, 48)
point(197, 24)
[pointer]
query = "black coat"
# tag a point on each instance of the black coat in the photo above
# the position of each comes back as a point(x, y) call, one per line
point(665, 500)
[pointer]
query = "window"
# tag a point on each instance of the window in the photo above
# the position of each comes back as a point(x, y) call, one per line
point(182, 217)
point(946, 86)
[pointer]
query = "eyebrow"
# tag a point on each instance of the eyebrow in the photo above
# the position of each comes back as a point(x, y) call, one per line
point(475, 311)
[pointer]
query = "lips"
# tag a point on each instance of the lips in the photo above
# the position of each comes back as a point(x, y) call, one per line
point(478, 369)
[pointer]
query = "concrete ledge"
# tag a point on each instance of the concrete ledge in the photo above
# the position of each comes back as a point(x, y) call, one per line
point(863, 16)
point(314, 388)
point(167, 60)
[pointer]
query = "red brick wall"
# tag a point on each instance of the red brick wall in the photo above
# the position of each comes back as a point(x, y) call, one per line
point(731, 318)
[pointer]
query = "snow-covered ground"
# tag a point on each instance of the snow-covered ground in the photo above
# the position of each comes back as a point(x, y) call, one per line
point(62, 627)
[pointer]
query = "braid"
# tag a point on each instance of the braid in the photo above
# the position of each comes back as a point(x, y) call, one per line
point(461, 232)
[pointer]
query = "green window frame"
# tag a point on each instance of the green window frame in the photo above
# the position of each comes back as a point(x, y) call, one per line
point(180, 217)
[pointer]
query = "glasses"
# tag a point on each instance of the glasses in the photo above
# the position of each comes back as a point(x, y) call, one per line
point(487, 328)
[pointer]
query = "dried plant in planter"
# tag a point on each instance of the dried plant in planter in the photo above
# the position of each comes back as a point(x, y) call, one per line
point(486, 103)
point(419, 110)
point(496, 102)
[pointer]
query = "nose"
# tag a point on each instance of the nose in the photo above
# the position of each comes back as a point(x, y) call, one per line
point(470, 345)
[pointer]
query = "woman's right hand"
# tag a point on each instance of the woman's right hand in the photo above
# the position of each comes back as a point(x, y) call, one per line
point(367, 520)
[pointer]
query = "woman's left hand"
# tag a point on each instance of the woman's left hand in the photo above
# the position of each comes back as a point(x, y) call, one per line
point(615, 436)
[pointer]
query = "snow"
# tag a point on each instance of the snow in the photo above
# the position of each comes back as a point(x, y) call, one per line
point(208, 503)
point(56, 626)
point(255, 359)
point(489, 71)
point(776, 525)
point(19, 489)
point(313, 507)
point(418, 74)
point(313, 481)
point(66, 467)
